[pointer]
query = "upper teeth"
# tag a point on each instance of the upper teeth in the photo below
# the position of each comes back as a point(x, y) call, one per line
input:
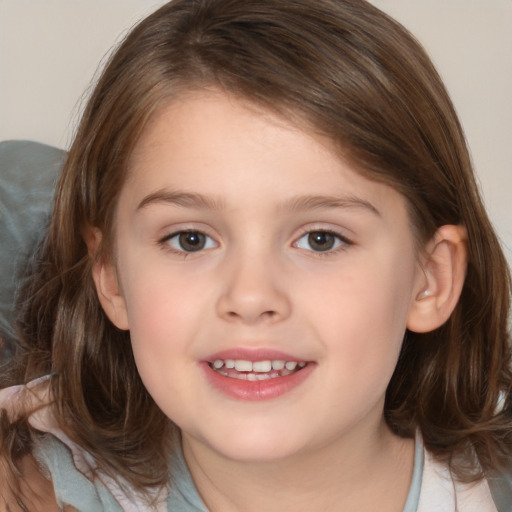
point(265, 366)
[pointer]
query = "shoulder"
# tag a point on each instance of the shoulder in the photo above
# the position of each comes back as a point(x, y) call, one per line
point(440, 491)
point(30, 488)
point(23, 485)
point(25, 399)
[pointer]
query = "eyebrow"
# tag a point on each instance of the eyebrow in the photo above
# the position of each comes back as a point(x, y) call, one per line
point(318, 202)
point(183, 199)
point(299, 203)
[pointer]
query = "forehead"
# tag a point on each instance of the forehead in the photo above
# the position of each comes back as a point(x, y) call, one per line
point(187, 119)
point(219, 145)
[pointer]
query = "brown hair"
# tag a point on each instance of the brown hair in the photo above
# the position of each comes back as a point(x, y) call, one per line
point(346, 70)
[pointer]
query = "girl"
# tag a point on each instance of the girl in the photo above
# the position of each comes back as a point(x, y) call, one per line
point(268, 283)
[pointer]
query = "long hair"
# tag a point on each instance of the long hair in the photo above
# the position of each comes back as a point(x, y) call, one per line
point(341, 68)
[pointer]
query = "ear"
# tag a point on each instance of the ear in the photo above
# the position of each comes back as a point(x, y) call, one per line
point(444, 268)
point(106, 281)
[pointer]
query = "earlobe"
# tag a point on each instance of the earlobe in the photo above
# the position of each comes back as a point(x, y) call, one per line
point(444, 269)
point(106, 281)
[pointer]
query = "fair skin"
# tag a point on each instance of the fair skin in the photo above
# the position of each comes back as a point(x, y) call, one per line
point(298, 256)
point(27, 481)
point(37, 492)
point(290, 254)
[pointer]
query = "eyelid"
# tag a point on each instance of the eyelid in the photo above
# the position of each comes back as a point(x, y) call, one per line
point(164, 241)
point(343, 241)
point(167, 232)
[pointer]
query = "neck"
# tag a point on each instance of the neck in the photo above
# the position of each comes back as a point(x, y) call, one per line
point(351, 474)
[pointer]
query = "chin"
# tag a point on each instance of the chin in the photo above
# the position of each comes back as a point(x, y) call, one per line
point(256, 446)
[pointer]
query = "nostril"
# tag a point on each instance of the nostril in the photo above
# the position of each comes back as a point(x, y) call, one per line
point(269, 313)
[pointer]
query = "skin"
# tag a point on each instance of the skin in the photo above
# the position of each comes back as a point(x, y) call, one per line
point(37, 491)
point(260, 284)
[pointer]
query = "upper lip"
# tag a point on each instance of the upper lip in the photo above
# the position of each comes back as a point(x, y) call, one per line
point(254, 354)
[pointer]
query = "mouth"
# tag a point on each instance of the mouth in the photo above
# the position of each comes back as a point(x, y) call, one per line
point(256, 370)
point(256, 374)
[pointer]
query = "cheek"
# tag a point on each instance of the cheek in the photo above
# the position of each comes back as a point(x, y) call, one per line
point(366, 297)
point(360, 315)
point(162, 306)
point(162, 318)
point(155, 315)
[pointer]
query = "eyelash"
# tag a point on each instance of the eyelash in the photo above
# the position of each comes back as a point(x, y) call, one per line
point(165, 242)
point(340, 241)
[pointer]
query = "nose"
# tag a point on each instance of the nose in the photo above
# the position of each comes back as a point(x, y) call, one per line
point(253, 291)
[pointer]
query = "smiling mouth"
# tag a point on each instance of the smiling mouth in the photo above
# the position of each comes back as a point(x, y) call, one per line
point(256, 370)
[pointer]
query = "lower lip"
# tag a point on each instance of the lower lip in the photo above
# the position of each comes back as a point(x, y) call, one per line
point(259, 389)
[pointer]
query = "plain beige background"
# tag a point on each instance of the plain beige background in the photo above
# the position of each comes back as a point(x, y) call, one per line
point(50, 50)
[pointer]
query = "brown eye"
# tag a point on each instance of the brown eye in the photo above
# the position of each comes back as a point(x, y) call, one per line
point(190, 241)
point(321, 241)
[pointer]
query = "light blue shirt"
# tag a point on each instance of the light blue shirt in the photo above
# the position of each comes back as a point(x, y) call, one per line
point(73, 488)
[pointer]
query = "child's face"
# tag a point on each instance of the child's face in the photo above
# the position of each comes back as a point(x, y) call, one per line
point(240, 237)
